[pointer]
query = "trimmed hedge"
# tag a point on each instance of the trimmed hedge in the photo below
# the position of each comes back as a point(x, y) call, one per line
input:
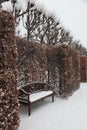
point(31, 61)
point(83, 68)
point(50, 64)
point(67, 60)
point(9, 106)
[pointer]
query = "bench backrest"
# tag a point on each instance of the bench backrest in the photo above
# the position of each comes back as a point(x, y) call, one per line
point(34, 87)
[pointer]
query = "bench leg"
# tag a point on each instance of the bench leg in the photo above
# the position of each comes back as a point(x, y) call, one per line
point(53, 97)
point(29, 109)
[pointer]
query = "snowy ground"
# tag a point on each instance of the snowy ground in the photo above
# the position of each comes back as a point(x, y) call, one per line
point(63, 114)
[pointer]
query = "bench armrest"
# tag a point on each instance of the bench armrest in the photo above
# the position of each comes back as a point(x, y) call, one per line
point(23, 91)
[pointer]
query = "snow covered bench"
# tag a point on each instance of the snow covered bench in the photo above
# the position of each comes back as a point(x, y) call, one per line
point(34, 92)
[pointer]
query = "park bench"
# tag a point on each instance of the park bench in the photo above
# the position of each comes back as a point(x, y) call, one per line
point(34, 92)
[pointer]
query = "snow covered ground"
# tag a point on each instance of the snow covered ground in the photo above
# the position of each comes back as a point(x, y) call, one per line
point(63, 114)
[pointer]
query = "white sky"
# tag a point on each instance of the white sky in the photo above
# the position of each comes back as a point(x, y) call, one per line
point(71, 13)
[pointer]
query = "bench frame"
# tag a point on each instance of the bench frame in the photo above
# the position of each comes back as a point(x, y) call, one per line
point(23, 92)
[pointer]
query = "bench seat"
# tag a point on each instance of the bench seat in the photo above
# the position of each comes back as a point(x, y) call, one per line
point(36, 96)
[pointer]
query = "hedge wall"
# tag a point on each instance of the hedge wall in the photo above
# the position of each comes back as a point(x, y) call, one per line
point(31, 61)
point(83, 68)
point(9, 108)
point(39, 62)
point(67, 60)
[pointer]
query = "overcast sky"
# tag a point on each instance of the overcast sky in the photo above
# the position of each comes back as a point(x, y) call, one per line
point(71, 13)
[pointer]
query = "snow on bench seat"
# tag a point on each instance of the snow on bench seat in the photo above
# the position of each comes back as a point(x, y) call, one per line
point(38, 95)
